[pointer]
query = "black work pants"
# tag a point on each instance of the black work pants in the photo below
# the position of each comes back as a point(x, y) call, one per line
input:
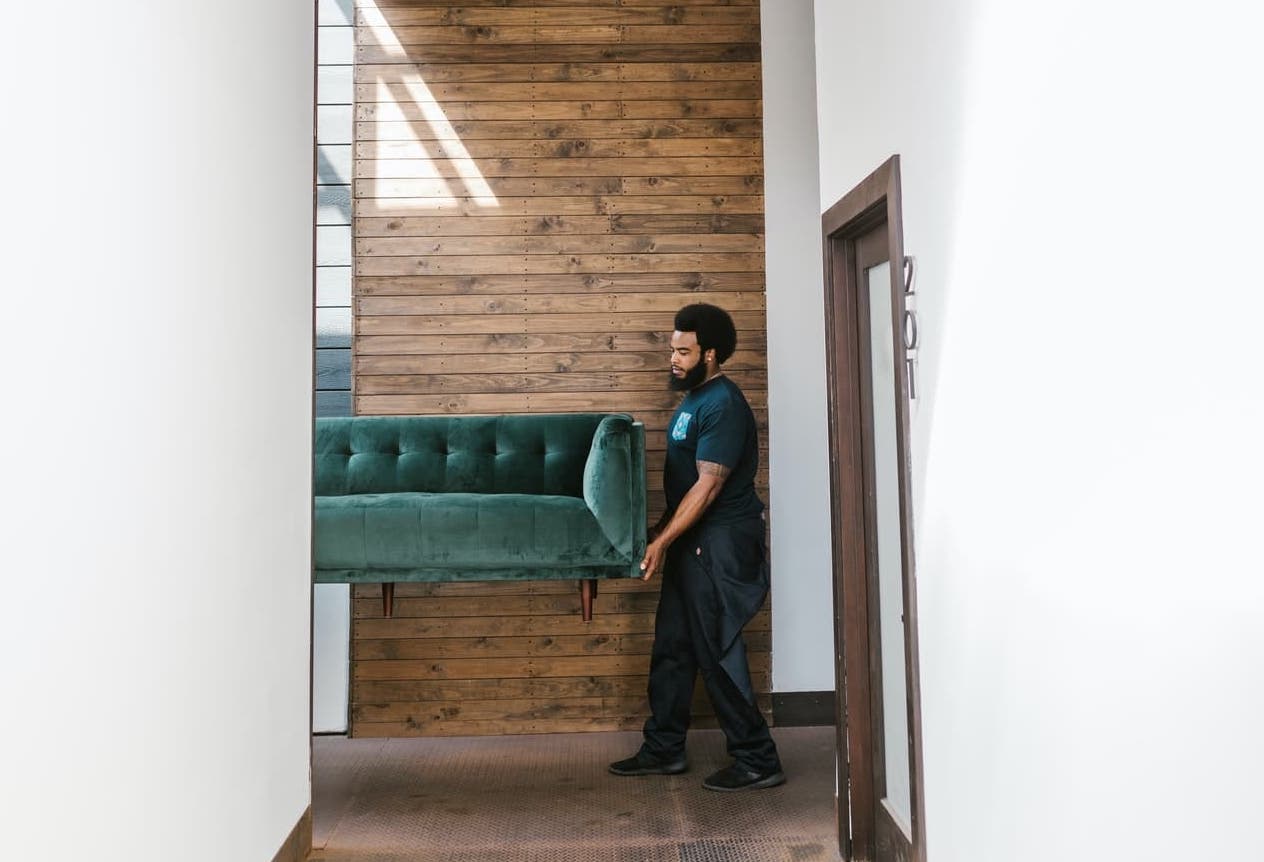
point(715, 580)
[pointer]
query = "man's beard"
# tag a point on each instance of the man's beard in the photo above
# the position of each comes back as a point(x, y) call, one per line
point(693, 377)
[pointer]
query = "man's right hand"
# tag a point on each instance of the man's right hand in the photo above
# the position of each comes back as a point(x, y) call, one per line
point(653, 562)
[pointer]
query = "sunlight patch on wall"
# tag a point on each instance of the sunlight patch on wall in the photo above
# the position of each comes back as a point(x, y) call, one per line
point(411, 90)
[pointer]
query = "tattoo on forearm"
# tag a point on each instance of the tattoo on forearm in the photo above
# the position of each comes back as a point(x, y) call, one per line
point(710, 468)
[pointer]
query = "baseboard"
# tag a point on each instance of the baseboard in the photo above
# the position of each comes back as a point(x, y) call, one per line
point(298, 844)
point(803, 708)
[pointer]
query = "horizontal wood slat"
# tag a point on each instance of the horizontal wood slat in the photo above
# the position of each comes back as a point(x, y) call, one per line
point(505, 727)
point(490, 188)
point(435, 714)
point(572, 14)
point(654, 415)
point(427, 691)
point(456, 344)
point(400, 649)
point(460, 168)
point(709, 243)
point(575, 381)
point(392, 89)
point(607, 52)
point(601, 303)
point(568, 148)
point(538, 185)
point(446, 73)
point(425, 111)
point(558, 206)
point(569, 285)
point(524, 402)
point(498, 626)
point(417, 4)
point(568, 35)
point(529, 363)
point(517, 711)
point(495, 668)
point(469, 132)
point(514, 226)
point(469, 324)
point(560, 263)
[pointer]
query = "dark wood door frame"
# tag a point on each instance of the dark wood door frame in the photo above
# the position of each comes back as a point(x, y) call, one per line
point(854, 220)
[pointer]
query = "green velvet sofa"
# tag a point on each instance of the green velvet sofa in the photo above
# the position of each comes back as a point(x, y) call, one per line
point(479, 498)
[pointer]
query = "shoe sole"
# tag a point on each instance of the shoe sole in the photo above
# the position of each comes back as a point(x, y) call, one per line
point(670, 769)
point(770, 781)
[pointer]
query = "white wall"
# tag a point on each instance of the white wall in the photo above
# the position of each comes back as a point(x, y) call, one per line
point(157, 335)
point(802, 601)
point(331, 657)
point(1081, 188)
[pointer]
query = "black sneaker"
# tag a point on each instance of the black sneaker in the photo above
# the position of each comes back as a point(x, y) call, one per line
point(642, 764)
point(736, 777)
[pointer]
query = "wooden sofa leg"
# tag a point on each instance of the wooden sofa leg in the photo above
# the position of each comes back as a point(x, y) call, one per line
point(587, 592)
point(388, 600)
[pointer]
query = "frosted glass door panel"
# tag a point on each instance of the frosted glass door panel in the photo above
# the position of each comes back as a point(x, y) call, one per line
point(890, 564)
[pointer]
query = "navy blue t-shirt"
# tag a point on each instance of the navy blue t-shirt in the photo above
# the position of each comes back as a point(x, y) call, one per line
point(714, 423)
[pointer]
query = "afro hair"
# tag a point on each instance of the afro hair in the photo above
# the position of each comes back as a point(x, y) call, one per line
point(712, 326)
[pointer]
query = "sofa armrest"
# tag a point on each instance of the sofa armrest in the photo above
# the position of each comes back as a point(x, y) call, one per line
point(614, 484)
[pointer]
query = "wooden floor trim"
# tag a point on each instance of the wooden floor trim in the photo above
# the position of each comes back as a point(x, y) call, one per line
point(298, 844)
point(803, 708)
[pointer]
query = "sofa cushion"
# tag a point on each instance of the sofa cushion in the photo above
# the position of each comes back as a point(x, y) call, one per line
point(511, 454)
point(458, 531)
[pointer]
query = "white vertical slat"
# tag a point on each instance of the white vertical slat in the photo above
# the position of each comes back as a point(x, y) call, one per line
point(331, 623)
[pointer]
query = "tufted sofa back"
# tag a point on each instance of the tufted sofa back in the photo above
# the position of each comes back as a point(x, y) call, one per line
point(529, 453)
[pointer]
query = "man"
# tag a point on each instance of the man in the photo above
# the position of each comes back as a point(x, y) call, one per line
point(709, 547)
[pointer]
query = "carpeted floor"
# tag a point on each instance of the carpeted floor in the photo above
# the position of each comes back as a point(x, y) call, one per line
point(548, 798)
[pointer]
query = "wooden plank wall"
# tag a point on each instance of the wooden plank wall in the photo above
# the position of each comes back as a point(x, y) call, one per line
point(538, 186)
